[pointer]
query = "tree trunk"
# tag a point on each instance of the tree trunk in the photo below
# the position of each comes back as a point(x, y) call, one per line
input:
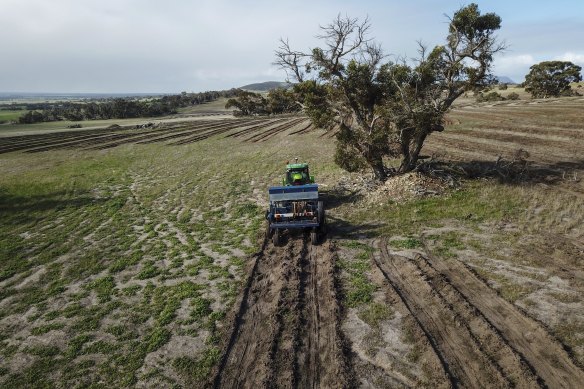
point(378, 169)
point(410, 157)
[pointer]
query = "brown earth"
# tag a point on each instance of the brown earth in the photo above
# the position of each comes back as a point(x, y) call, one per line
point(175, 133)
point(481, 339)
point(286, 331)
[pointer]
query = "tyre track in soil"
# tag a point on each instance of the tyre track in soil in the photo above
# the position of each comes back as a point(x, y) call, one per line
point(286, 331)
point(481, 339)
point(541, 350)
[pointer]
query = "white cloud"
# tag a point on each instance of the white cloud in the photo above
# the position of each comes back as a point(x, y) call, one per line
point(572, 57)
point(174, 45)
point(513, 66)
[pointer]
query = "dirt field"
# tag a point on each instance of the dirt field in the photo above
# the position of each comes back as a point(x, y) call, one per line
point(248, 130)
point(135, 256)
point(286, 332)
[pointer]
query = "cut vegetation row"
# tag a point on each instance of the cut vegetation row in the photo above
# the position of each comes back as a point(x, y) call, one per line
point(177, 134)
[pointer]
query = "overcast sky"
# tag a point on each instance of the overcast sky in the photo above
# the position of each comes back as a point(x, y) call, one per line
point(109, 46)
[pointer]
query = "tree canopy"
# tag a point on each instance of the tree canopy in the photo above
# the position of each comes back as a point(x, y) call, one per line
point(383, 108)
point(552, 78)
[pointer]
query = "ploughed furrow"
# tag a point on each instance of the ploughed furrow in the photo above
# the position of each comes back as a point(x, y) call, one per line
point(147, 137)
point(538, 150)
point(440, 144)
point(120, 140)
point(54, 139)
point(286, 332)
point(472, 351)
point(549, 109)
point(306, 128)
point(185, 131)
point(248, 357)
point(208, 132)
point(331, 133)
point(452, 152)
point(320, 359)
point(249, 130)
point(526, 130)
point(487, 149)
point(57, 135)
point(91, 141)
point(541, 351)
point(534, 118)
point(546, 141)
point(265, 135)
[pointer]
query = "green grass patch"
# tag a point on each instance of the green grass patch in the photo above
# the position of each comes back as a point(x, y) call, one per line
point(43, 329)
point(104, 287)
point(473, 204)
point(195, 370)
point(157, 338)
point(376, 313)
point(43, 350)
point(408, 243)
point(148, 271)
point(359, 288)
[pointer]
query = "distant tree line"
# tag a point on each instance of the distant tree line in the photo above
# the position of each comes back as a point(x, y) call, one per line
point(277, 101)
point(117, 108)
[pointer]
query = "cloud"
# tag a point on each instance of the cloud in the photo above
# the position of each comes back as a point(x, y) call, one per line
point(513, 66)
point(515, 60)
point(175, 45)
point(572, 57)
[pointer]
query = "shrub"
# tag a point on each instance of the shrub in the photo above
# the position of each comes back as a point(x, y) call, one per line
point(491, 96)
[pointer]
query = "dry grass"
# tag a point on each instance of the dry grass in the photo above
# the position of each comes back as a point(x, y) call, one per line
point(126, 260)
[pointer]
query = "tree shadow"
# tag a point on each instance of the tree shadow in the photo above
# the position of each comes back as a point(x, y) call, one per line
point(18, 210)
point(509, 172)
point(334, 198)
point(341, 229)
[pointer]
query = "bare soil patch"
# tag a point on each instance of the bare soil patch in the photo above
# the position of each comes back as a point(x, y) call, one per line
point(479, 336)
point(286, 330)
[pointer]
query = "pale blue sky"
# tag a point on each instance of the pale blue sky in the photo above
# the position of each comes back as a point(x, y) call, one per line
point(175, 45)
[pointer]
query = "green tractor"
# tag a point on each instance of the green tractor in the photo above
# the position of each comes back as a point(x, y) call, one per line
point(296, 204)
point(297, 174)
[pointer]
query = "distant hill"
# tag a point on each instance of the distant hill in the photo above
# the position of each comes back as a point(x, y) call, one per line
point(505, 80)
point(265, 86)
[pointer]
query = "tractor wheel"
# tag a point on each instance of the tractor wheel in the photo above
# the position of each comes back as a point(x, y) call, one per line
point(321, 219)
point(269, 231)
point(320, 212)
point(314, 236)
point(276, 237)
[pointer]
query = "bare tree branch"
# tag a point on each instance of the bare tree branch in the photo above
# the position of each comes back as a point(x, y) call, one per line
point(291, 61)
